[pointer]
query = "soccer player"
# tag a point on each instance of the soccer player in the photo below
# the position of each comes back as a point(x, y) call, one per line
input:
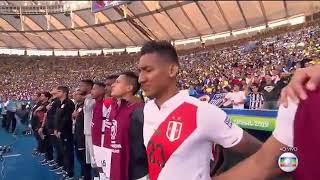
point(63, 130)
point(97, 93)
point(109, 81)
point(123, 131)
point(43, 133)
point(96, 129)
point(297, 125)
point(79, 138)
point(85, 88)
point(55, 103)
point(35, 121)
point(179, 131)
point(39, 115)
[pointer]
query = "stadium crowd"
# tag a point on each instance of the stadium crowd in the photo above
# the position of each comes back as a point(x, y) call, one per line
point(258, 69)
point(207, 71)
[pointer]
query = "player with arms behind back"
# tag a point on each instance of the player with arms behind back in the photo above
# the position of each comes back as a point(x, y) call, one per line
point(179, 131)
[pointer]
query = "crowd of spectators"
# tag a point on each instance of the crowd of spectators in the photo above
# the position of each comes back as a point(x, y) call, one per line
point(265, 61)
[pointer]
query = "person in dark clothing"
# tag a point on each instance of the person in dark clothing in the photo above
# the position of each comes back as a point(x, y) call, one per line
point(138, 164)
point(35, 121)
point(63, 130)
point(43, 133)
point(271, 93)
point(40, 114)
point(79, 137)
point(49, 126)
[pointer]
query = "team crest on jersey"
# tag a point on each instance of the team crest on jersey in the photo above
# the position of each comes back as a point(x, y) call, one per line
point(228, 122)
point(114, 129)
point(174, 130)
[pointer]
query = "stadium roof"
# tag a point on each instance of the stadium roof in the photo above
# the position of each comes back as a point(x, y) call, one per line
point(138, 22)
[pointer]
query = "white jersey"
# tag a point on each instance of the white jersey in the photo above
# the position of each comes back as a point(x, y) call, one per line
point(88, 114)
point(179, 137)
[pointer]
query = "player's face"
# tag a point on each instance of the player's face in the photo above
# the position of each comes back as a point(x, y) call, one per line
point(59, 94)
point(236, 88)
point(97, 91)
point(120, 87)
point(77, 96)
point(268, 79)
point(84, 88)
point(43, 98)
point(254, 89)
point(153, 74)
point(35, 97)
point(14, 97)
point(109, 83)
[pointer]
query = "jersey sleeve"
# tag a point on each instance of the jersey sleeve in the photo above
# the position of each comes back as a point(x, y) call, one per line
point(283, 131)
point(218, 127)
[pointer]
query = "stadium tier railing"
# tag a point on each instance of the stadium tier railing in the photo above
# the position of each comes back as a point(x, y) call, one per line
point(35, 9)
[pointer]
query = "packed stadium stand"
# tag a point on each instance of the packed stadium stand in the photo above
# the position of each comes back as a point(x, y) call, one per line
point(132, 24)
point(221, 45)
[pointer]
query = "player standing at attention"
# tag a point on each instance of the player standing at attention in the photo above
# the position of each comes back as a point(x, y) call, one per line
point(85, 88)
point(179, 131)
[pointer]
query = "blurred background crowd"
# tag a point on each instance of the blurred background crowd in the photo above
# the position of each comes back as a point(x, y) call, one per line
point(265, 61)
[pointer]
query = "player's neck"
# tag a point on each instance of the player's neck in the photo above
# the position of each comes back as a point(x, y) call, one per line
point(62, 99)
point(107, 96)
point(167, 94)
point(100, 98)
point(88, 92)
point(131, 99)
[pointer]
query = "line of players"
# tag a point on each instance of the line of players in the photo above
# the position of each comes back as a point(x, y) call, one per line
point(169, 137)
point(63, 126)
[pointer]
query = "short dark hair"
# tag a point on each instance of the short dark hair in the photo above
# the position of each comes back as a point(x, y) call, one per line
point(46, 94)
point(64, 89)
point(112, 76)
point(88, 82)
point(133, 80)
point(162, 48)
point(101, 84)
point(255, 84)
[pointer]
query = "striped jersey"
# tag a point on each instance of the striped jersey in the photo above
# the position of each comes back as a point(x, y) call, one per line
point(255, 100)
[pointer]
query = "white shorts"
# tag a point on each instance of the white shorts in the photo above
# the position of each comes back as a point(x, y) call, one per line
point(89, 151)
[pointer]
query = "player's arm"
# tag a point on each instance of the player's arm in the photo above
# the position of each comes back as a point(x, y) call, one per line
point(303, 79)
point(262, 164)
point(247, 145)
point(220, 129)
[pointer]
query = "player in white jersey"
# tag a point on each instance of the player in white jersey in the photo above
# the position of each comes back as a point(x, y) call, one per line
point(179, 131)
point(85, 88)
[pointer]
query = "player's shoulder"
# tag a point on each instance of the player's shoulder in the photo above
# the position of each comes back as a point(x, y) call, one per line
point(204, 107)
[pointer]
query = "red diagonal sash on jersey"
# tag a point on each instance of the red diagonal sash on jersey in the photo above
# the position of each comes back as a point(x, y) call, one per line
point(171, 133)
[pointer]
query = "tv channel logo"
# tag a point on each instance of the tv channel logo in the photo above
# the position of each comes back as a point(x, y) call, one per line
point(288, 162)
